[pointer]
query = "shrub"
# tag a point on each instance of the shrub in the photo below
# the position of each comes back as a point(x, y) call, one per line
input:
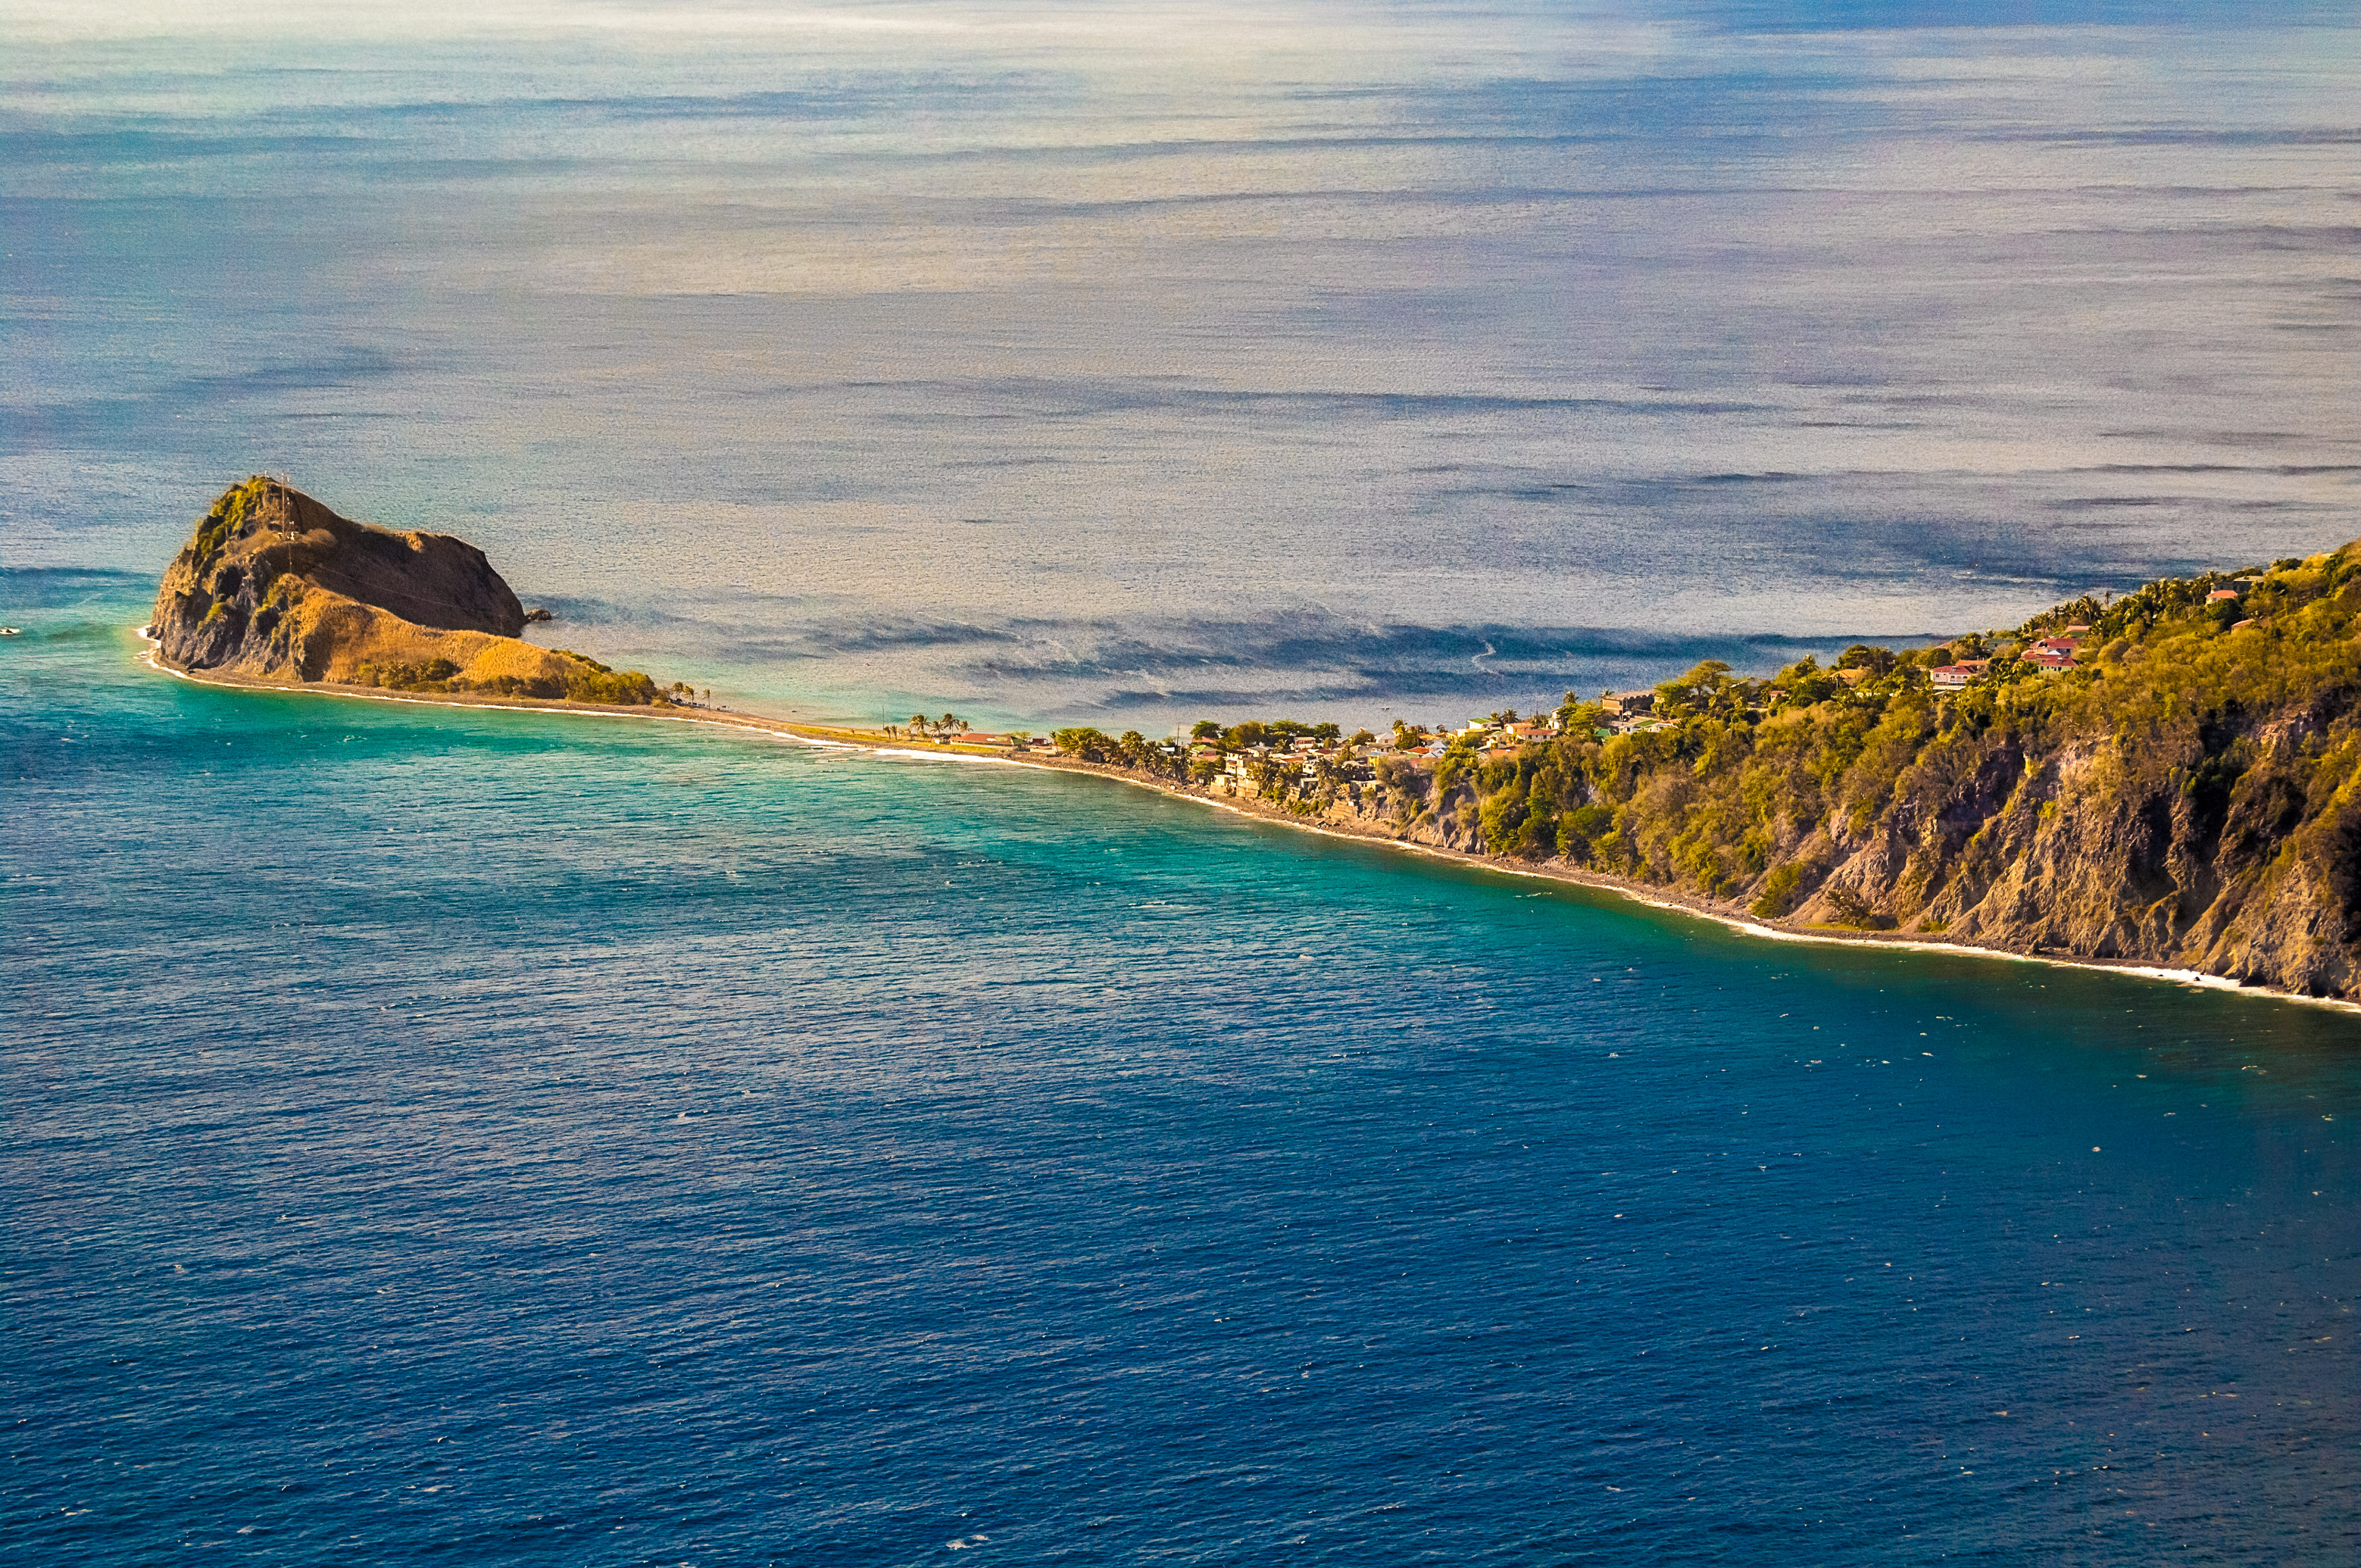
point(1779, 890)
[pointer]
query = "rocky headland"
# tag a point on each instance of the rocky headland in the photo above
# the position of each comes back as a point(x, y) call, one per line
point(274, 586)
point(2169, 778)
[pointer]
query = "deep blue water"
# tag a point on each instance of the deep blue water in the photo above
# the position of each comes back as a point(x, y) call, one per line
point(496, 1137)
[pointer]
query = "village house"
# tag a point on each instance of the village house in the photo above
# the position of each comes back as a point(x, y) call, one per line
point(1952, 677)
point(2218, 595)
point(1624, 705)
point(2051, 652)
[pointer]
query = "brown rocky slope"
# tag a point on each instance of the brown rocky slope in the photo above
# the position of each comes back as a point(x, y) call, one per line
point(275, 586)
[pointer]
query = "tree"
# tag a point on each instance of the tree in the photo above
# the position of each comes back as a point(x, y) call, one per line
point(1706, 690)
point(1271, 777)
point(1253, 732)
point(1090, 745)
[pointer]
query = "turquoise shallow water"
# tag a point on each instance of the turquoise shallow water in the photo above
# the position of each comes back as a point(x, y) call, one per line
point(523, 1139)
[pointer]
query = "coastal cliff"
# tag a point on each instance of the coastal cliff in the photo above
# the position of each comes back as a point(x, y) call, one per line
point(274, 586)
point(2172, 777)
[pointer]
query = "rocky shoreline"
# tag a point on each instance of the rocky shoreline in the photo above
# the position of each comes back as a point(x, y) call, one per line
point(1729, 913)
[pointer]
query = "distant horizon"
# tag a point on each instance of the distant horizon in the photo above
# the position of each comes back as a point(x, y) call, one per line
point(1044, 362)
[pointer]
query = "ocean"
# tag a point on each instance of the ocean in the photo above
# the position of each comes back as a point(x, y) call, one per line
point(521, 1137)
point(535, 1138)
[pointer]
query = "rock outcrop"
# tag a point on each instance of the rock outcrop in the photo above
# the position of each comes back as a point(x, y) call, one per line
point(275, 586)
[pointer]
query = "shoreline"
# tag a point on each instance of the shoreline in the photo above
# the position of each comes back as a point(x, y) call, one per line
point(851, 739)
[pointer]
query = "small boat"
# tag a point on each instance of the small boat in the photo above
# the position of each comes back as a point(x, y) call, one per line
point(9, 632)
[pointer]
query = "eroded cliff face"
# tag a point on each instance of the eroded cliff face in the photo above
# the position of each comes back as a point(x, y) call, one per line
point(2070, 850)
point(276, 587)
point(1403, 804)
point(2083, 854)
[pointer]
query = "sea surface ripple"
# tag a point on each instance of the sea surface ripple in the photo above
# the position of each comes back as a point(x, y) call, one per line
point(1135, 364)
point(524, 1139)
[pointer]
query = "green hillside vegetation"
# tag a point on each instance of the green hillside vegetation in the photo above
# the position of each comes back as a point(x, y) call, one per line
point(586, 680)
point(1753, 782)
point(2189, 791)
